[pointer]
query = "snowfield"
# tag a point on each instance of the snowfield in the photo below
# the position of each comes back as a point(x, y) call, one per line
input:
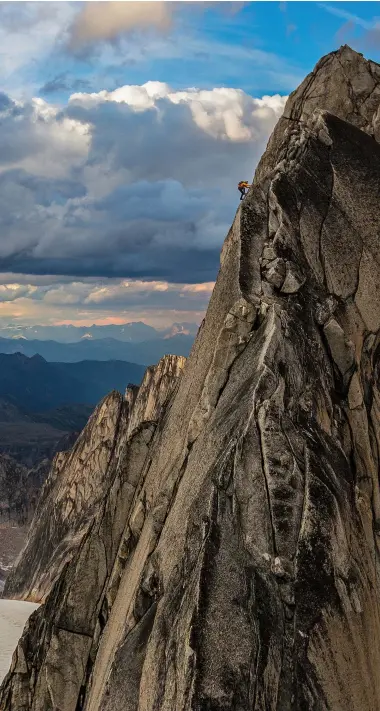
point(13, 615)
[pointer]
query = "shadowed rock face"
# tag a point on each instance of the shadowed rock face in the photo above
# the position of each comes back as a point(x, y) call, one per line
point(12, 490)
point(232, 564)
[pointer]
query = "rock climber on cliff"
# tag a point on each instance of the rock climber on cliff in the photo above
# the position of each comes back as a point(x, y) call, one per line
point(243, 187)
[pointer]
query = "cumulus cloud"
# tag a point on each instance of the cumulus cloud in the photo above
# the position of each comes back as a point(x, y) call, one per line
point(222, 113)
point(35, 136)
point(112, 197)
point(107, 20)
point(139, 182)
point(86, 301)
point(12, 292)
point(157, 293)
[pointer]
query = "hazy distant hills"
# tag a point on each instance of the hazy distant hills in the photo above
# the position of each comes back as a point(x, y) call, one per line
point(49, 387)
point(35, 385)
point(42, 404)
point(144, 353)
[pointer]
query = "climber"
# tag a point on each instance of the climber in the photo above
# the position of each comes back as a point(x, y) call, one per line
point(242, 187)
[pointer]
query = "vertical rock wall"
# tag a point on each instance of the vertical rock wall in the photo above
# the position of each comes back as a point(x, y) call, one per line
point(233, 563)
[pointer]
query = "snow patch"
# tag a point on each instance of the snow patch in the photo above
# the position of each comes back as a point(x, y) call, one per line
point(13, 616)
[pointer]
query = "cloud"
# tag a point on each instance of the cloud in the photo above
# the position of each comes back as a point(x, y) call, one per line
point(12, 292)
point(344, 34)
point(136, 183)
point(88, 301)
point(36, 138)
point(107, 20)
point(290, 29)
point(345, 15)
point(369, 39)
point(64, 82)
point(29, 33)
point(190, 40)
point(155, 295)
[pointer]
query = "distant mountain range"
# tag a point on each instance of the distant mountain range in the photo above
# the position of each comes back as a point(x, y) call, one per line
point(44, 405)
point(144, 353)
point(34, 385)
point(134, 332)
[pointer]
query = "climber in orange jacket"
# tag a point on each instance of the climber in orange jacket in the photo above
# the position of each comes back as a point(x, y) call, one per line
point(243, 187)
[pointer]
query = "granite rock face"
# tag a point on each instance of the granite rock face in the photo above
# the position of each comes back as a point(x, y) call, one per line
point(15, 508)
point(233, 562)
point(13, 486)
point(70, 497)
point(91, 548)
point(80, 479)
point(19, 494)
point(343, 83)
point(154, 391)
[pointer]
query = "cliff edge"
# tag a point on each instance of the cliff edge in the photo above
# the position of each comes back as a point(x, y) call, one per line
point(233, 563)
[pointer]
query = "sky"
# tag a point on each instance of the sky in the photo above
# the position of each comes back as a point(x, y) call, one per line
point(125, 127)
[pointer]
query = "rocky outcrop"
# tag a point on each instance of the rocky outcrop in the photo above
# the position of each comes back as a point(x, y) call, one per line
point(19, 493)
point(102, 529)
point(343, 83)
point(72, 493)
point(149, 400)
point(13, 500)
point(19, 489)
point(233, 563)
point(14, 512)
point(80, 480)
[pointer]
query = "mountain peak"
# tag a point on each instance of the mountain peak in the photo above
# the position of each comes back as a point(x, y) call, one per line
point(346, 50)
point(341, 83)
point(345, 84)
point(227, 552)
point(37, 358)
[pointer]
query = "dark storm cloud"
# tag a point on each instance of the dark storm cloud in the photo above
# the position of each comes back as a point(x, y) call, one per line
point(161, 201)
point(186, 266)
point(136, 191)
